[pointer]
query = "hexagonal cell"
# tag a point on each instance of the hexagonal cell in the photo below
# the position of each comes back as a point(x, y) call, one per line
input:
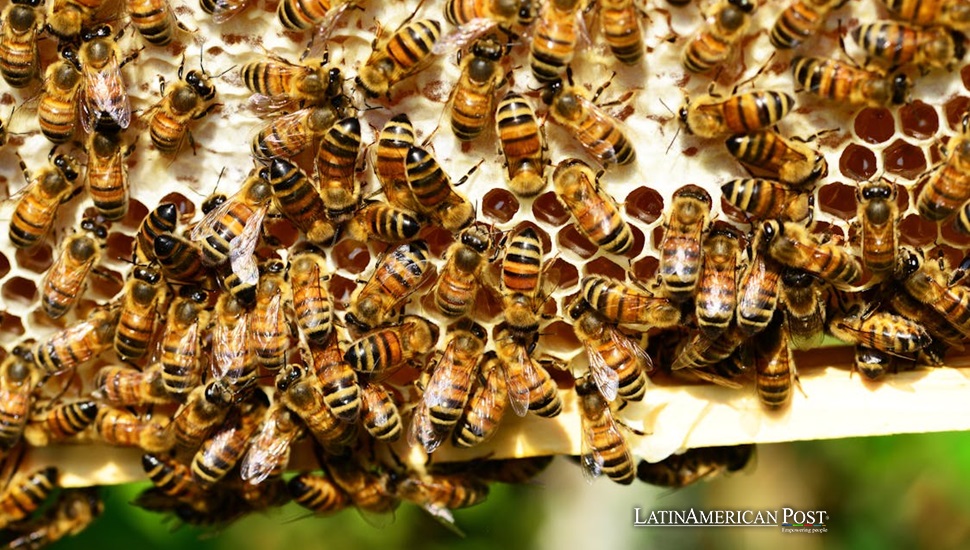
point(875, 125)
point(965, 76)
point(500, 205)
point(572, 240)
point(437, 238)
point(645, 204)
point(562, 377)
point(341, 289)
point(12, 324)
point(916, 231)
point(352, 256)
point(904, 159)
point(120, 245)
point(37, 259)
point(20, 290)
point(488, 305)
point(857, 162)
point(558, 337)
point(186, 206)
point(919, 120)
point(827, 232)
point(547, 209)
point(645, 269)
point(952, 235)
point(283, 231)
point(838, 199)
point(605, 267)
point(954, 109)
point(639, 240)
point(106, 284)
point(568, 274)
point(136, 213)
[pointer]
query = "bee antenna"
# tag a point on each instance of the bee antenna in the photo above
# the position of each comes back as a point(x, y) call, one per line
point(677, 133)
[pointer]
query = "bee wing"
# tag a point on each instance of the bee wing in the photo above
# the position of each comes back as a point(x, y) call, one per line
point(271, 313)
point(708, 376)
point(606, 378)
point(423, 430)
point(266, 105)
point(242, 247)
point(226, 344)
point(463, 35)
point(632, 347)
point(290, 125)
point(325, 28)
point(224, 10)
point(202, 229)
point(519, 392)
point(590, 458)
point(270, 448)
point(105, 92)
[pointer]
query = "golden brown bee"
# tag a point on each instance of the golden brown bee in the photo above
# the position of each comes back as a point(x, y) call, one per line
point(317, 493)
point(233, 354)
point(269, 452)
point(725, 25)
point(379, 413)
point(800, 20)
point(522, 143)
point(530, 387)
point(79, 343)
point(61, 423)
point(766, 200)
point(901, 44)
point(523, 289)
point(384, 350)
point(106, 178)
point(383, 222)
point(398, 56)
point(299, 200)
point(621, 30)
point(554, 38)
point(927, 282)
point(949, 188)
point(182, 341)
point(703, 351)
point(336, 165)
point(390, 161)
point(439, 494)
point(743, 113)
point(774, 367)
point(624, 304)
point(220, 453)
point(34, 213)
point(792, 245)
point(303, 393)
point(879, 330)
point(288, 135)
point(268, 323)
point(681, 252)
point(504, 13)
point(365, 484)
point(223, 10)
point(278, 82)
point(872, 363)
point(804, 309)
point(717, 290)
point(790, 162)
point(312, 303)
point(58, 104)
point(72, 512)
point(25, 494)
point(20, 23)
point(878, 215)
point(125, 429)
point(693, 465)
point(845, 83)
point(434, 193)
point(18, 377)
point(170, 476)
point(299, 15)
point(600, 134)
point(935, 324)
point(617, 363)
point(104, 99)
point(188, 99)
point(486, 405)
point(758, 297)
point(66, 18)
point(129, 387)
point(179, 259)
point(398, 274)
point(204, 410)
point(340, 389)
point(143, 295)
point(604, 448)
point(473, 98)
point(595, 211)
point(955, 14)
point(454, 291)
point(163, 219)
point(153, 19)
point(67, 278)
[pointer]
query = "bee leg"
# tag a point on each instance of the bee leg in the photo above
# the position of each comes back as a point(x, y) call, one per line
point(131, 57)
point(161, 85)
point(603, 87)
point(207, 110)
point(23, 167)
point(469, 173)
point(192, 144)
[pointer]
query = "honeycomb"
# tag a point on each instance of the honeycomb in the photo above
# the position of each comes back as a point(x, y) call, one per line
point(902, 144)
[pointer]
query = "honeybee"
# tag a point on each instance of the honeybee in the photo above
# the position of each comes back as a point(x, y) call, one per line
point(804, 308)
point(317, 493)
point(935, 324)
point(67, 278)
point(390, 161)
point(25, 493)
point(454, 291)
point(179, 259)
point(523, 290)
point(879, 330)
point(473, 98)
point(188, 99)
point(554, 38)
point(278, 82)
point(621, 30)
point(743, 113)
point(220, 453)
point(182, 341)
point(926, 282)
point(694, 465)
point(800, 20)
point(703, 351)
point(397, 275)
point(901, 44)
point(530, 388)
point(774, 368)
point(954, 14)
point(949, 188)
point(233, 357)
point(617, 364)
point(312, 303)
point(878, 214)
point(439, 494)
point(170, 476)
point(70, 514)
point(204, 410)
point(163, 219)
point(300, 15)
point(79, 343)
point(383, 222)
point(379, 413)
point(398, 56)
point(717, 291)
point(843, 82)
point(522, 143)
point(268, 322)
point(269, 451)
point(486, 405)
point(336, 165)
point(365, 484)
point(58, 105)
point(448, 389)
point(298, 199)
point(758, 298)
point(19, 56)
point(66, 18)
point(153, 19)
point(681, 253)
point(288, 135)
point(386, 349)
point(765, 199)
point(34, 213)
point(19, 377)
point(61, 423)
point(501, 12)
point(604, 448)
point(791, 162)
point(126, 386)
point(340, 389)
point(143, 295)
point(600, 134)
point(872, 363)
point(104, 100)
point(792, 245)
point(125, 429)
point(223, 10)
point(106, 178)
point(434, 193)
point(595, 211)
point(724, 27)
point(624, 304)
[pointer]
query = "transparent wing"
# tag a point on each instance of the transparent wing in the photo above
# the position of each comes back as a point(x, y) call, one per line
point(590, 458)
point(267, 105)
point(272, 315)
point(607, 380)
point(708, 376)
point(269, 451)
point(242, 247)
point(329, 23)
point(105, 93)
point(462, 36)
point(229, 345)
point(631, 346)
point(224, 10)
point(423, 430)
point(202, 229)
point(288, 127)
point(520, 378)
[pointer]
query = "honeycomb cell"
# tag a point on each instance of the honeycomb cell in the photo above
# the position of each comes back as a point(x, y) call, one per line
point(558, 337)
point(571, 239)
point(919, 120)
point(875, 125)
point(119, 245)
point(488, 305)
point(954, 109)
point(904, 159)
point(547, 209)
point(136, 213)
point(826, 232)
point(12, 324)
point(645, 204)
point(605, 267)
point(951, 235)
point(186, 206)
point(500, 205)
point(916, 231)
point(562, 377)
point(106, 284)
point(438, 239)
point(857, 162)
point(639, 240)
point(283, 231)
point(39, 258)
point(568, 274)
point(645, 269)
point(20, 290)
point(838, 199)
point(4, 265)
point(351, 256)
point(341, 289)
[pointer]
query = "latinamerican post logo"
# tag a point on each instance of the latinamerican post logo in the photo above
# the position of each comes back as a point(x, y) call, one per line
point(789, 520)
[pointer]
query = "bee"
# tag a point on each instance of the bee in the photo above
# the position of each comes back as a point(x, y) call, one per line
point(182, 341)
point(624, 304)
point(34, 213)
point(949, 188)
point(621, 30)
point(25, 494)
point(223, 10)
point(365, 484)
point(379, 413)
point(268, 322)
point(336, 164)
point(530, 388)
point(766, 200)
point(522, 287)
point(179, 259)
point(170, 476)
point(800, 20)
point(300, 15)
point(384, 350)
point(878, 213)
point(522, 143)
point(220, 453)
point(20, 23)
point(435, 195)
point(790, 162)
point(66, 18)
point(341, 393)
point(774, 368)
point(554, 38)
point(843, 82)
point(744, 113)
point(278, 82)
point(67, 278)
point(397, 275)
point(288, 135)
point(269, 451)
point(18, 380)
point(879, 330)
point(694, 465)
point(486, 405)
point(317, 493)
point(454, 291)
point(233, 356)
point(143, 295)
point(604, 448)
point(681, 252)
point(929, 12)
point(717, 291)
point(104, 100)
point(439, 494)
point(618, 365)
point(759, 290)
point(473, 98)
point(61, 423)
point(935, 324)
point(926, 282)
point(395, 58)
point(792, 245)
point(390, 161)
point(106, 178)
point(303, 394)
point(57, 107)
point(383, 222)
point(312, 303)
point(79, 343)
point(204, 410)
point(804, 308)
point(153, 19)
point(125, 429)
point(872, 363)
point(724, 27)
point(125, 386)
point(595, 211)
point(901, 44)
point(188, 99)
point(600, 134)
point(513, 470)
point(299, 200)
point(163, 219)
point(703, 351)
point(72, 512)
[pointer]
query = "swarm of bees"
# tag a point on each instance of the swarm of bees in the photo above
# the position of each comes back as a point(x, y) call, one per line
point(354, 278)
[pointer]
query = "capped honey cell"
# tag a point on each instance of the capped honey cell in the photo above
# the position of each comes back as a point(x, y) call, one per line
point(500, 205)
point(904, 159)
point(837, 199)
point(644, 204)
point(919, 120)
point(857, 162)
point(875, 124)
point(547, 208)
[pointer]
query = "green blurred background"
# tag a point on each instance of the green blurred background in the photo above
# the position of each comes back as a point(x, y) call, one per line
point(881, 492)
